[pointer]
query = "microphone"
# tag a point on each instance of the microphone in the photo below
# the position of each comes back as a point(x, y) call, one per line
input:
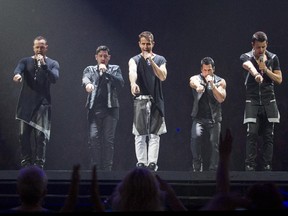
point(148, 61)
point(209, 82)
point(209, 85)
point(101, 71)
point(261, 59)
point(38, 60)
point(38, 63)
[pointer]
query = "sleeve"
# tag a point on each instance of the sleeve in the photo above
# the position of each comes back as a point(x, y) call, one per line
point(86, 78)
point(20, 67)
point(276, 63)
point(53, 72)
point(244, 57)
point(116, 77)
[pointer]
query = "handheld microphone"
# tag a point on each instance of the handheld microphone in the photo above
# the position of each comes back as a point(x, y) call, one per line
point(261, 59)
point(101, 71)
point(209, 85)
point(38, 63)
point(148, 61)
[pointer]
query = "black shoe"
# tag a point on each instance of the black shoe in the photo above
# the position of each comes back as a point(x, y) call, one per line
point(152, 166)
point(25, 163)
point(39, 163)
point(140, 165)
point(197, 168)
point(249, 168)
point(267, 168)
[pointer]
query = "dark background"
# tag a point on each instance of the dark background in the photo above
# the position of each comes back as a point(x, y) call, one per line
point(185, 31)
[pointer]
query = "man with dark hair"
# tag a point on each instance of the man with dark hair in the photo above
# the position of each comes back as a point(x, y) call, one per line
point(102, 83)
point(147, 70)
point(209, 91)
point(261, 111)
point(37, 72)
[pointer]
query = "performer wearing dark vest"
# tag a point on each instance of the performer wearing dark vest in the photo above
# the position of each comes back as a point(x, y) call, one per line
point(209, 91)
point(147, 70)
point(261, 111)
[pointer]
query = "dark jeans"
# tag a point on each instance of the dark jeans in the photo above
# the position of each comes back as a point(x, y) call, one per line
point(102, 127)
point(198, 138)
point(32, 154)
point(266, 129)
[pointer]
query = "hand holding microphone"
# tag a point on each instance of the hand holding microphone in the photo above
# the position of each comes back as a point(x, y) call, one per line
point(209, 80)
point(40, 60)
point(102, 68)
point(38, 63)
point(261, 58)
point(262, 65)
point(147, 56)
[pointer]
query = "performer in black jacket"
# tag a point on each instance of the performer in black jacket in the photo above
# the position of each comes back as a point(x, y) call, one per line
point(102, 82)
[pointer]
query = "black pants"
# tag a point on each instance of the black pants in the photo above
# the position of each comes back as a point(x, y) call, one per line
point(102, 127)
point(198, 133)
point(33, 146)
point(265, 129)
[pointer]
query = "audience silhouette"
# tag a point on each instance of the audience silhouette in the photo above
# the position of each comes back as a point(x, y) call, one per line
point(144, 190)
point(260, 196)
point(32, 188)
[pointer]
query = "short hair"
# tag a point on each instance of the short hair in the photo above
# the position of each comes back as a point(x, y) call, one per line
point(259, 36)
point(207, 61)
point(146, 34)
point(32, 184)
point(102, 48)
point(41, 38)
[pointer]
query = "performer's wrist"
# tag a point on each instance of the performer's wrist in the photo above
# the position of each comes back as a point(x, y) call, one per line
point(253, 71)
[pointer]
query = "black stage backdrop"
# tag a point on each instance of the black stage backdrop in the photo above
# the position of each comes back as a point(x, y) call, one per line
point(185, 31)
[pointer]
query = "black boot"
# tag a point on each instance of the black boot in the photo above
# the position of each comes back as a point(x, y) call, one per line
point(26, 161)
point(40, 162)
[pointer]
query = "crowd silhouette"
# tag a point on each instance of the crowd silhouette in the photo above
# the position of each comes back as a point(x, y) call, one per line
point(143, 190)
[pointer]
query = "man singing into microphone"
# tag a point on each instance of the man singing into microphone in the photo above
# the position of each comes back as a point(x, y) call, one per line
point(209, 91)
point(261, 111)
point(37, 73)
point(147, 71)
point(102, 82)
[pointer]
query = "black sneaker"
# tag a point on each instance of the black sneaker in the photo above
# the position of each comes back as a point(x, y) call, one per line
point(249, 168)
point(152, 166)
point(267, 168)
point(141, 165)
point(197, 168)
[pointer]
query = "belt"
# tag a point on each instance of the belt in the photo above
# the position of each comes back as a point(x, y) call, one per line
point(143, 97)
